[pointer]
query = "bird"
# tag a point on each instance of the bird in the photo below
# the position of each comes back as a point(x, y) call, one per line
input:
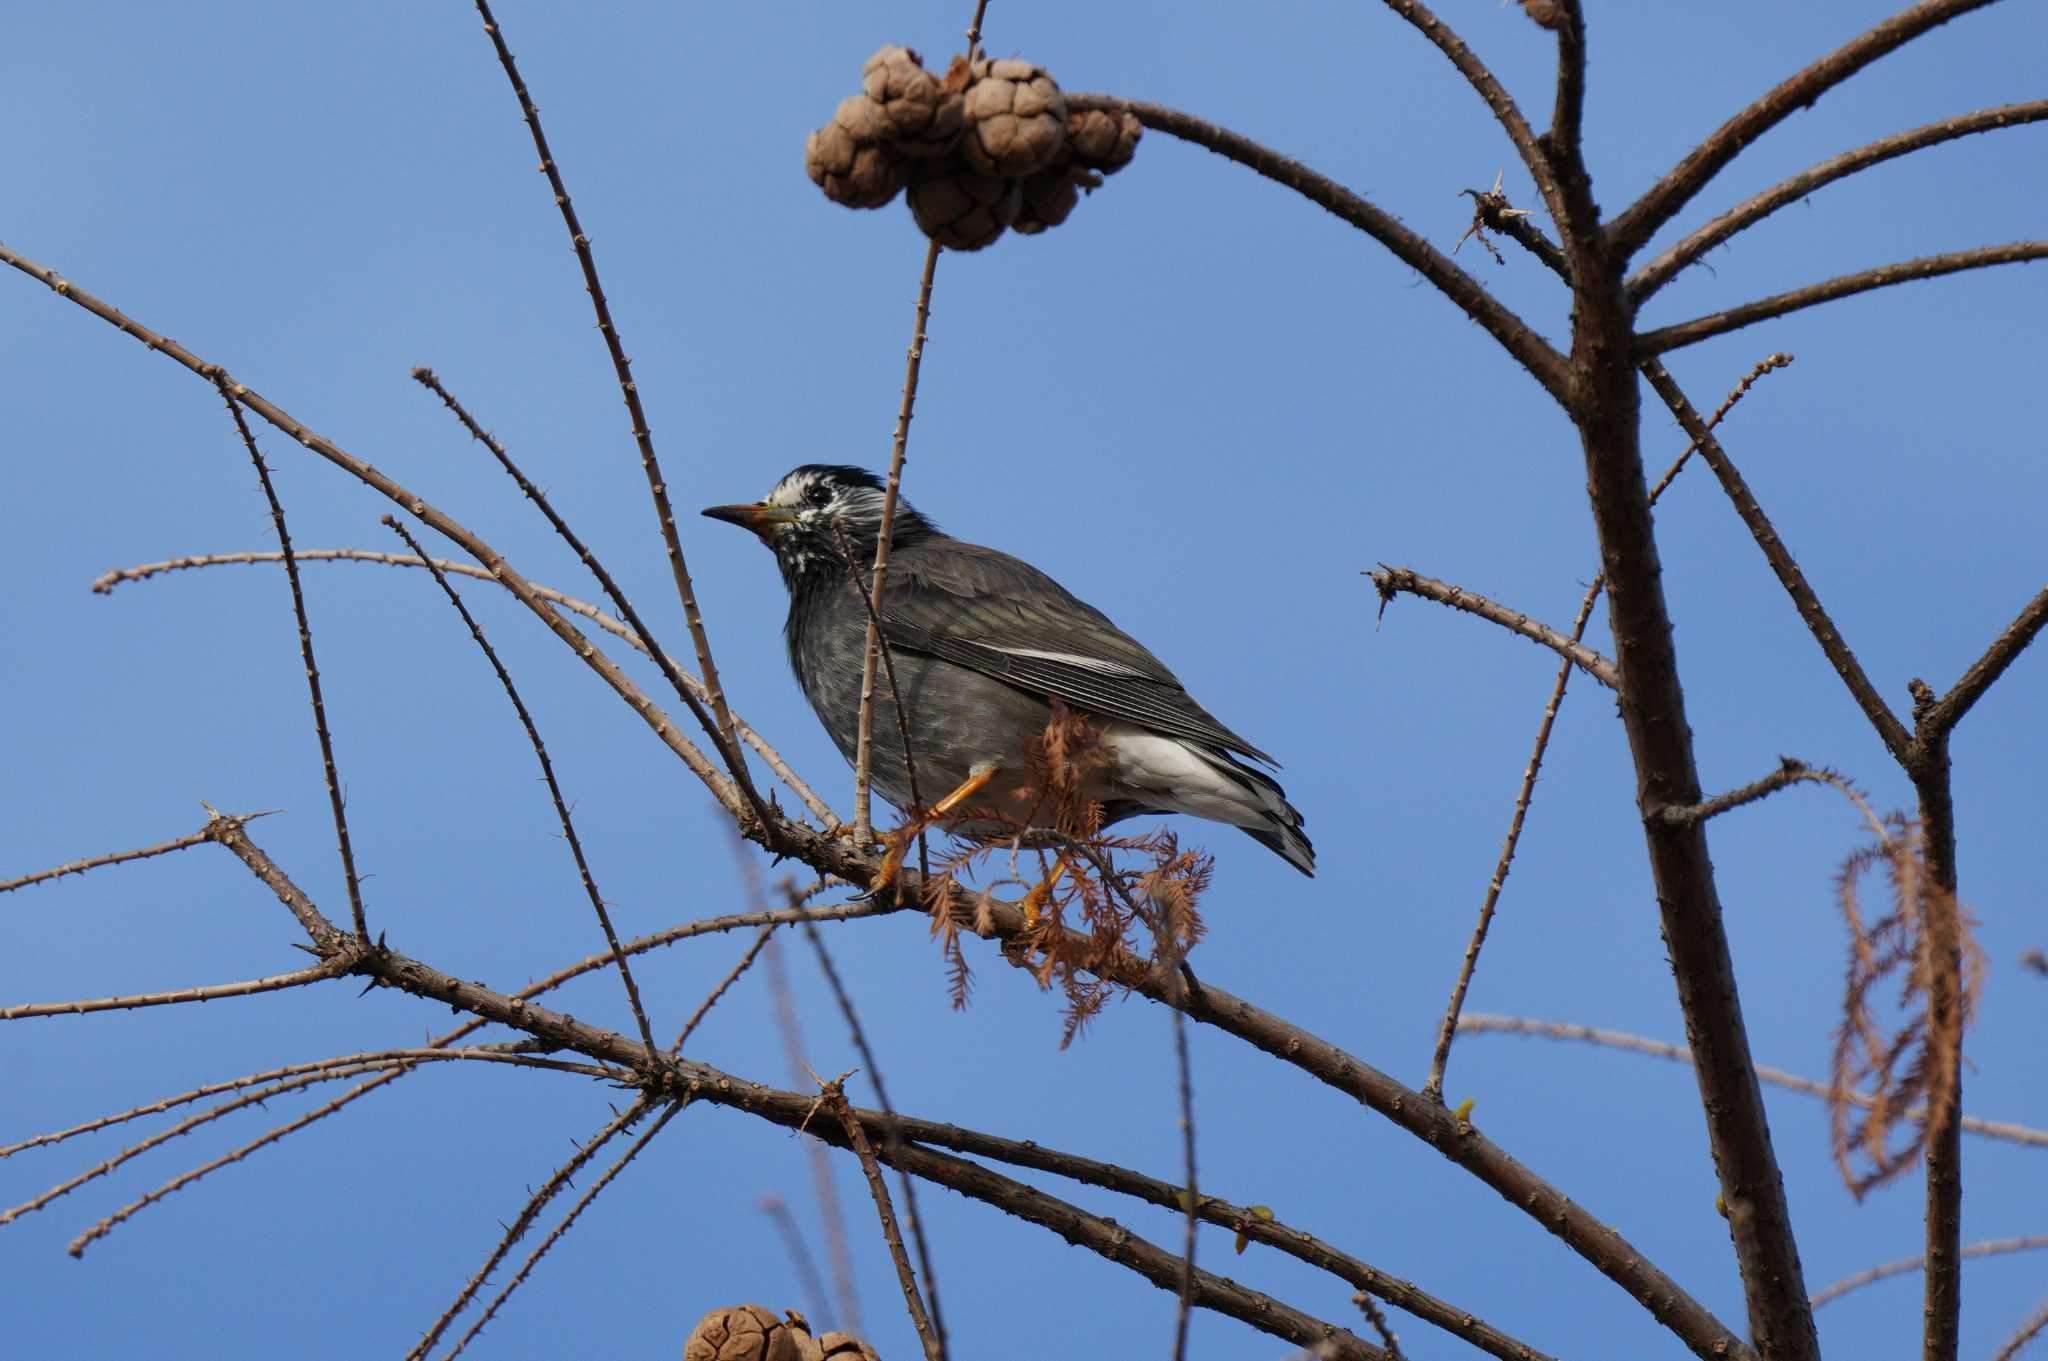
point(983, 645)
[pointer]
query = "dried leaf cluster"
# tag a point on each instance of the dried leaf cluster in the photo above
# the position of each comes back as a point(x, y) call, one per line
point(1907, 1071)
point(987, 147)
point(1105, 910)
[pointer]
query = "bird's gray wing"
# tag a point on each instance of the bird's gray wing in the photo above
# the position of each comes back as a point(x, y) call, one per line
point(978, 608)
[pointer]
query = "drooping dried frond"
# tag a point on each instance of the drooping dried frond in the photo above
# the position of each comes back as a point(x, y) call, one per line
point(1908, 1067)
point(1100, 907)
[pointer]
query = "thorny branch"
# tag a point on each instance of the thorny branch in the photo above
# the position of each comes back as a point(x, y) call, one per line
point(833, 1094)
point(94, 862)
point(1790, 771)
point(547, 773)
point(1645, 282)
point(721, 732)
point(106, 582)
point(291, 570)
point(1481, 1024)
point(1627, 233)
point(1989, 1248)
point(1668, 338)
point(877, 646)
point(319, 973)
point(1393, 581)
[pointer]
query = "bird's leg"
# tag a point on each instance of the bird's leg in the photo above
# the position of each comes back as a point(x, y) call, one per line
point(900, 840)
point(1036, 898)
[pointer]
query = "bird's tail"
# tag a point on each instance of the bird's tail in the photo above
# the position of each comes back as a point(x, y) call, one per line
point(1278, 826)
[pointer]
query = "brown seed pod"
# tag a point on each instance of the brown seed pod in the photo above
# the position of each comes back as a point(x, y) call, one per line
point(1016, 119)
point(843, 1347)
point(745, 1332)
point(962, 210)
point(1104, 141)
point(922, 113)
point(1049, 196)
point(853, 158)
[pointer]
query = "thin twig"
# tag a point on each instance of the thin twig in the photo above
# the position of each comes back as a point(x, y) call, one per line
point(291, 571)
point(115, 858)
point(914, 361)
point(711, 999)
point(835, 1097)
point(1393, 581)
point(864, 831)
point(1887, 724)
point(837, 1252)
point(1989, 1248)
point(443, 523)
point(1665, 198)
point(1667, 338)
point(319, 973)
point(911, 1214)
point(583, 1202)
point(777, 1211)
point(1950, 708)
point(1646, 281)
point(77, 1246)
point(1190, 1188)
point(2026, 1333)
point(1482, 1024)
point(527, 1214)
point(1433, 1087)
point(1447, 1029)
point(105, 584)
point(1595, 1241)
point(1374, 1315)
point(1790, 771)
point(1490, 90)
point(547, 772)
point(1530, 350)
point(346, 1065)
point(722, 732)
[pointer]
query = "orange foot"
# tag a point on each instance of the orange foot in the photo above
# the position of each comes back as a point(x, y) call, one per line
point(899, 842)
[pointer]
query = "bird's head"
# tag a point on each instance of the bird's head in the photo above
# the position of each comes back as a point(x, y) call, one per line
point(818, 512)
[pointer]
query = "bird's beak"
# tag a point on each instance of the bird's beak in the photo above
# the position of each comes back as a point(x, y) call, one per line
point(761, 521)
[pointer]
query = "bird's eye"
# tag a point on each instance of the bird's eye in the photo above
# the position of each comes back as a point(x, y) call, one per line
point(819, 495)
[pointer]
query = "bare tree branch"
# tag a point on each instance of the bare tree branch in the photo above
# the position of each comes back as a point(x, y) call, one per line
point(668, 1113)
point(1887, 724)
point(547, 773)
point(1950, 708)
point(1393, 581)
point(291, 571)
point(1665, 198)
point(1668, 338)
point(1482, 1024)
point(873, 1069)
point(114, 858)
point(105, 584)
point(527, 1214)
point(1488, 87)
point(876, 645)
point(711, 999)
point(1988, 1248)
point(1645, 282)
point(833, 1094)
point(1528, 349)
point(319, 973)
point(1790, 771)
point(657, 486)
point(442, 523)
point(2026, 1333)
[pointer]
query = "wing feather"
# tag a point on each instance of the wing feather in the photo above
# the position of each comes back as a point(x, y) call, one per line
point(978, 608)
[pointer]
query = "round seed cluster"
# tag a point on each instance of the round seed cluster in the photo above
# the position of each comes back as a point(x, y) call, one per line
point(986, 147)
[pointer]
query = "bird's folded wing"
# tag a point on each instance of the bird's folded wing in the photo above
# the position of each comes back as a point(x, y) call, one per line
point(1004, 618)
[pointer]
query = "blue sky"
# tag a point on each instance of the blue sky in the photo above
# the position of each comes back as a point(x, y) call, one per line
point(1203, 405)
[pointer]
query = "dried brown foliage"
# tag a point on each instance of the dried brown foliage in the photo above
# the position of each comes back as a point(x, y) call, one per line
point(1907, 1068)
point(1097, 896)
